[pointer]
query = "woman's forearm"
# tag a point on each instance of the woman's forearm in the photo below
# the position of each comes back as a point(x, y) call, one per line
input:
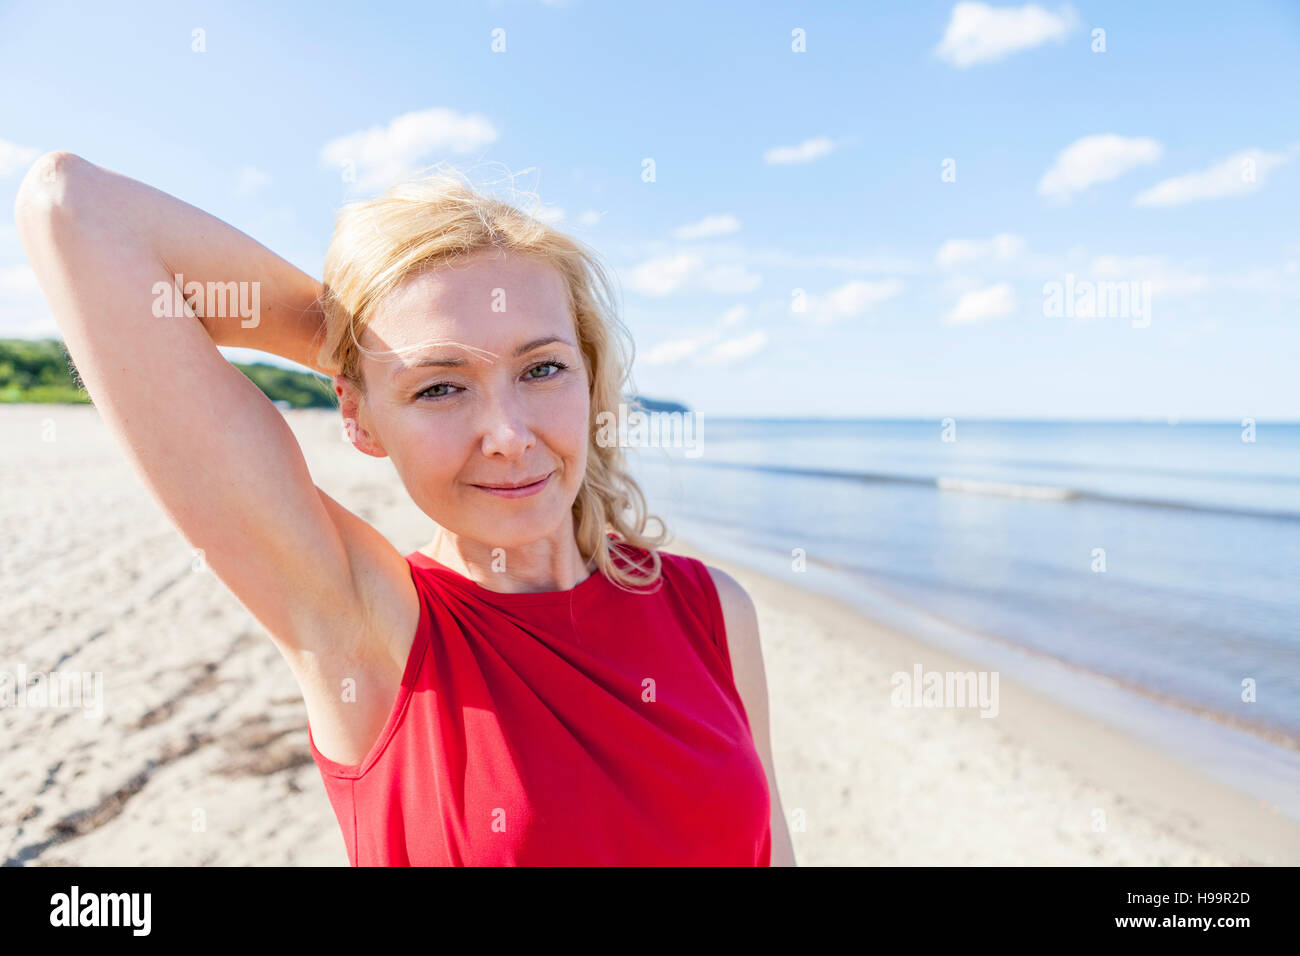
point(243, 294)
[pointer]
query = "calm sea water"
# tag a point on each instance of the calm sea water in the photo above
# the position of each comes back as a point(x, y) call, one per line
point(1004, 530)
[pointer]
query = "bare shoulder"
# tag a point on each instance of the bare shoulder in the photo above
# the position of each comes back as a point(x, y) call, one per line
point(737, 605)
point(740, 618)
point(741, 622)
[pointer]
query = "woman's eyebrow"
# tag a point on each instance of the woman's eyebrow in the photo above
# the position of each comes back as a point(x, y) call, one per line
point(436, 361)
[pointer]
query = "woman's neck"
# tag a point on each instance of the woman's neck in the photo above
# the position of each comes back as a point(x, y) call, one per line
point(548, 564)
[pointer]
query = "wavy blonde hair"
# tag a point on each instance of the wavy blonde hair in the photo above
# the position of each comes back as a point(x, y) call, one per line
point(440, 219)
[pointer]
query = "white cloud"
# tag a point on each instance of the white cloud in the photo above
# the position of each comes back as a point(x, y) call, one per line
point(1242, 172)
point(978, 33)
point(1165, 279)
point(994, 302)
point(664, 276)
point(590, 217)
point(675, 350)
point(251, 179)
point(733, 350)
point(19, 282)
point(669, 274)
point(30, 325)
point(1096, 159)
point(734, 316)
point(852, 298)
point(1002, 247)
point(551, 215)
point(729, 280)
point(14, 157)
point(24, 313)
point(384, 155)
point(678, 349)
point(708, 226)
point(777, 258)
point(805, 152)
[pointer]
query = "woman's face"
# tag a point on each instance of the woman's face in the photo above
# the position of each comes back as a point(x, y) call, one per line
point(487, 386)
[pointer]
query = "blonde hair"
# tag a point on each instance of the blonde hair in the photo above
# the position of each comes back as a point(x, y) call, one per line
point(440, 219)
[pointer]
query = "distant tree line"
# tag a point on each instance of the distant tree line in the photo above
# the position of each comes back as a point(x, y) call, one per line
point(40, 370)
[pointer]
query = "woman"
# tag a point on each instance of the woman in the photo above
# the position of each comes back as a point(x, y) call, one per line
point(541, 683)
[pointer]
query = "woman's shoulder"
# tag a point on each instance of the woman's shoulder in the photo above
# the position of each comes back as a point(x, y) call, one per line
point(675, 569)
point(688, 580)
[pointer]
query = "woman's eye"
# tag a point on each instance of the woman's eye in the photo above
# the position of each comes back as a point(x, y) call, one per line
point(558, 366)
point(429, 392)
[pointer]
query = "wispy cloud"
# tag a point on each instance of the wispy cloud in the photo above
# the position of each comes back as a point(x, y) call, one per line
point(250, 180)
point(768, 257)
point(1164, 277)
point(693, 346)
point(736, 349)
point(978, 33)
point(734, 316)
point(679, 349)
point(14, 158)
point(24, 312)
point(683, 272)
point(1003, 247)
point(1096, 159)
point(383, 155)
point(19, 282)
point(805, 152)
point(708, 227)
point(851, 299)
point(980, 305)
point(780, 259)
point(551, 215)
point(729, 280)
point(665, 275)
point(1242, 172)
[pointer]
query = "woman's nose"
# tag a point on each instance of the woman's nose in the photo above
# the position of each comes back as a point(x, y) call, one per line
point(505, 428)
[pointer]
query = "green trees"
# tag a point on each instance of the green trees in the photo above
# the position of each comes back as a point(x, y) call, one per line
point(39, 370)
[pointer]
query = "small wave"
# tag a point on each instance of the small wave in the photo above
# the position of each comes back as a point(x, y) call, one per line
point(1041, 492)
point(1047, 493)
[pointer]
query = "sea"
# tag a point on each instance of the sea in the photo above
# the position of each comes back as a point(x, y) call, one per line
point(1147, 573)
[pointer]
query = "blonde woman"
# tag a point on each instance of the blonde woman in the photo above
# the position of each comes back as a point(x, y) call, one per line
point(541, 684)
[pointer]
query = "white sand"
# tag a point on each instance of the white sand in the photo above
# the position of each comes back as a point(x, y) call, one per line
point(201, 756)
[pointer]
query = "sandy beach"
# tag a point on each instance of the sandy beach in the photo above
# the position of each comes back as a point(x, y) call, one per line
point(200, 756)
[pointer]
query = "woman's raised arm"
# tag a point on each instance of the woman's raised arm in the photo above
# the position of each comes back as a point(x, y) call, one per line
point(212, 449)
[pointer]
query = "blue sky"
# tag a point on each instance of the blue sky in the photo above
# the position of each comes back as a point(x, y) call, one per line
point(1169, 162)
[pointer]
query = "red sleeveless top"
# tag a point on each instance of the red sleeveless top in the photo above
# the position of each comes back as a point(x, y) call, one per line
point(592, 726)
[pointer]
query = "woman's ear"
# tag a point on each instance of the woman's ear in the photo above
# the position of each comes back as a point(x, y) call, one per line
point(352, 407)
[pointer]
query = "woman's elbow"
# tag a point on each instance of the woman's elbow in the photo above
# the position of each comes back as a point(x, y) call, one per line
point(47, 186)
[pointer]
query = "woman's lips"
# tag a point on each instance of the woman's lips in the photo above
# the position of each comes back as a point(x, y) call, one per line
point(524, 491)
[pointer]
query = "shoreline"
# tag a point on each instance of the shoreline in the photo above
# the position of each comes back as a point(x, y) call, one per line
point(1126, 778)
point(1266, 733)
